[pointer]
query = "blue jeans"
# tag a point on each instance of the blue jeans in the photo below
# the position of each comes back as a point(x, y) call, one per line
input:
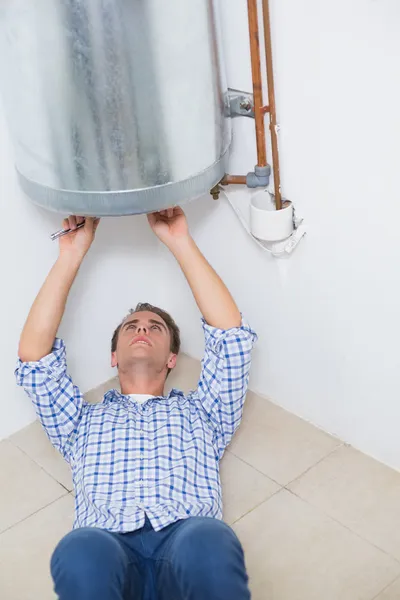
point(193, 559)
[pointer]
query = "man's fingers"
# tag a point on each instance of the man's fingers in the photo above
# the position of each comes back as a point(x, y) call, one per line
point(91, 223)
point(168, 213)
point(151, 217)
point(164, 215)
point(72, 222)
point(67, 223)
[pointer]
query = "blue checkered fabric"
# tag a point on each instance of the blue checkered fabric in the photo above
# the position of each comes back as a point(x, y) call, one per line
point(159, 458)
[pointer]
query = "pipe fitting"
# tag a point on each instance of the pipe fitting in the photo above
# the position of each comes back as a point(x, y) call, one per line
point(259, 177)
point(215, 192)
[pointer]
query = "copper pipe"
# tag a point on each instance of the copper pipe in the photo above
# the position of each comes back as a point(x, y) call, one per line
point(257, 82)
point(259, 109)
point(272, 106)
point(234, 179)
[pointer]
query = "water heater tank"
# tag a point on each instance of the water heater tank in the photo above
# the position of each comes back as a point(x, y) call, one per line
point(115, 107)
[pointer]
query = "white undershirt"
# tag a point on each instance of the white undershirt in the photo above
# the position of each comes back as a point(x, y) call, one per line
point(140, 398)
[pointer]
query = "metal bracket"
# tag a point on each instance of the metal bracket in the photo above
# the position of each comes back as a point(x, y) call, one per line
point(239, 104)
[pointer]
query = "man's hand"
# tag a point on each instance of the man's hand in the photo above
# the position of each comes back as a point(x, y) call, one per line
point(169, 225)
point(78, 242)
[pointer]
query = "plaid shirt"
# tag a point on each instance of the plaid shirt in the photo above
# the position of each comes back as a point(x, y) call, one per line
point(159, 458)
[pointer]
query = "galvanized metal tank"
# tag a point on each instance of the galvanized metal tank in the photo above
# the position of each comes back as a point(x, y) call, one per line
point(115, 106)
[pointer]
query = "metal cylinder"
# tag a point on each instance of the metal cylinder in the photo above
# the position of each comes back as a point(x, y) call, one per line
point(115, 106)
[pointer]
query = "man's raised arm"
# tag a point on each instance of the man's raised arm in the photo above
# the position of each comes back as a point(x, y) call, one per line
point(44, 318)
point(211, 294)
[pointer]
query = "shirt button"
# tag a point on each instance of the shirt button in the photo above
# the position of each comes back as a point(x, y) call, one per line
point(141, 456)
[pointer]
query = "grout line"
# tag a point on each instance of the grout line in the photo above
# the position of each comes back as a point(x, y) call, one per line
point(39, 465)
point(255, 468)
point(341, 445)
point(284, 485)
point(34, 513)
point(385, 588)
point(257, 506)
point(333, 519)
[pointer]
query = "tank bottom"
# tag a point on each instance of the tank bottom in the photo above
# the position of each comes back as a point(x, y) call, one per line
point(125, 202)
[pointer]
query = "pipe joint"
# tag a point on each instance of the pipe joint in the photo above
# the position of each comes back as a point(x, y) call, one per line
point(259, 177)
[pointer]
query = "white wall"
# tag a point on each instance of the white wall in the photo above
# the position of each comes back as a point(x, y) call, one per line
point(327, 317)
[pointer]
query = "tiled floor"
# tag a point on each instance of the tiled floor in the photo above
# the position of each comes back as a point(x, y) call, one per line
point(318, 520)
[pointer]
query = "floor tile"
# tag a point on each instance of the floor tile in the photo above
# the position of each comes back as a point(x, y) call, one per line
point(243, 488)
point(295, 552)
point(34, 442)
point(390, 593)
point(25, 552)
point(278, 443)
point(358, 491)
point(25, 487)
point(185, 376)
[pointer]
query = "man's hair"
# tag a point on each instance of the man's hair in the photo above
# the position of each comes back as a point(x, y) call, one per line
point(169, 321)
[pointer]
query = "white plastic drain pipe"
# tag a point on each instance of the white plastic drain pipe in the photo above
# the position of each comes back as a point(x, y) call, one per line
point(267, 223)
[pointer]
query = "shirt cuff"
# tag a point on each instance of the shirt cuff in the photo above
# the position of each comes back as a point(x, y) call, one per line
point(215, 338)
point(53, 365)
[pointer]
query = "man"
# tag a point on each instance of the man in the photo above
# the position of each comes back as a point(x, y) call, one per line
point(145, 466)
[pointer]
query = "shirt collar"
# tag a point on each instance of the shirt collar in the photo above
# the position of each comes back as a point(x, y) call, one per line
point(115, 395)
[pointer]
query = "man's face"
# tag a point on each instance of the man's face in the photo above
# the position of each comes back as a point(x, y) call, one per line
point(144, 342)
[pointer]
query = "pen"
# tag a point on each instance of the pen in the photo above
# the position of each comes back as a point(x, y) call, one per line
point(61, 232)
